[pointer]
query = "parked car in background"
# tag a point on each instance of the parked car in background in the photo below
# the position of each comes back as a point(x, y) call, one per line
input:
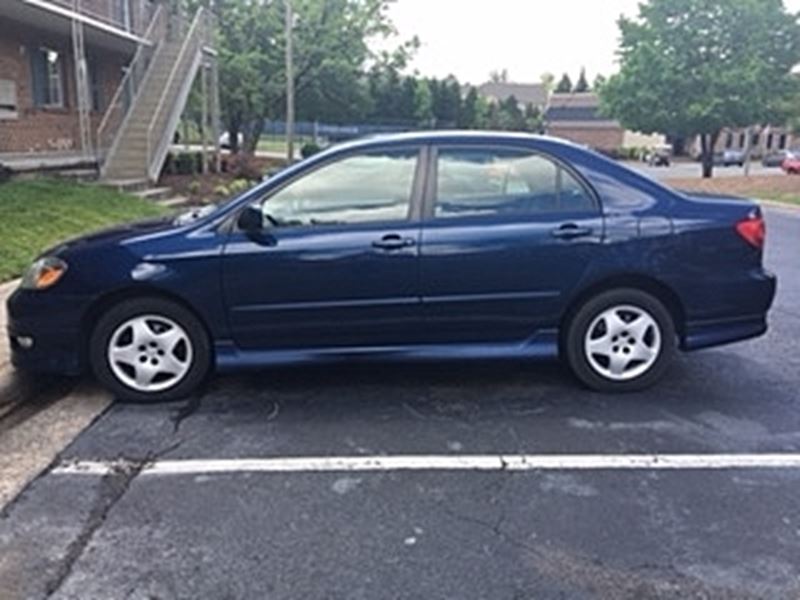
point(659, 156)
point(730, 158)
point(225, 140)
point(792, 164)
point(776, 159)
point(427, 246)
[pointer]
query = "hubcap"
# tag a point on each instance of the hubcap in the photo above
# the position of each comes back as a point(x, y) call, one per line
point(150, 353)
point(623, 343)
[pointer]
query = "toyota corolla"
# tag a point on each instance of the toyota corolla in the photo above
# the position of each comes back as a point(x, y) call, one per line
point(433, 246)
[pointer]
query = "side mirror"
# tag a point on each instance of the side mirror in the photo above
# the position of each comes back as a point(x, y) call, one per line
point(251, 220)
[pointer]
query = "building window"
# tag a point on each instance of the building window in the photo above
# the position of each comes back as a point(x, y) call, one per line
point(770, 139)
point(729, 140)
point(783, 142)
point(8, 99)
point(742, 140)
point(95, 85)
point(47, 68)
point(756, 139)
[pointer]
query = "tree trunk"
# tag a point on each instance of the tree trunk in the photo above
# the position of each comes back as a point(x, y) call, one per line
point(708, 142)
point(252, 135)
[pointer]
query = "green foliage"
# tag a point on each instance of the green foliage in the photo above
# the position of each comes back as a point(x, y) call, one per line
point(41, 213)
point(582, 85)
point(309, 149)
point(423, 103)
point(565, 85)
point(693, 67)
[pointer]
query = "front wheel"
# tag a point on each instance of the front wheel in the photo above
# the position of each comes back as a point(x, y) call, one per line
point(150, 350)
point(621, 341)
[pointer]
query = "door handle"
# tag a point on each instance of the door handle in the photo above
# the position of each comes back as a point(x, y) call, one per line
point(571, 231)
point(393, 242)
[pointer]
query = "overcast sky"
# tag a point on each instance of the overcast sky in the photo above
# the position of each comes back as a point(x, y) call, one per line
point(470, 38)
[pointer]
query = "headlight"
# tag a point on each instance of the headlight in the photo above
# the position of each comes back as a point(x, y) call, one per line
point(44, 273)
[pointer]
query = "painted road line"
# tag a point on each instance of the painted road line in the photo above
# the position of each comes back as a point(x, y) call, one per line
point(511, 462)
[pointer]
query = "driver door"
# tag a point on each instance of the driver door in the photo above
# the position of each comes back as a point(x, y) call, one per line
point(337, 265)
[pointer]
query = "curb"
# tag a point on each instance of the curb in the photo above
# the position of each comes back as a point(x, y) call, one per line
point(775, 204)
point(30, 447)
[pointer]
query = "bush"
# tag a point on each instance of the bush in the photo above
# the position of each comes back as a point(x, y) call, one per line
point(5, 173)
point(309, 149)
point(184, 163)
point(194, 187)
point(239, 185)
point(222, 191)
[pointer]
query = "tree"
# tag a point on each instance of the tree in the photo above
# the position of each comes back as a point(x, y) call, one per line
point(423, 103)
point(565, 85)
point(332, 55)
point(499, 76)
point(548, 80)
point(582, 84)
point(694, 67)
point(599, 82)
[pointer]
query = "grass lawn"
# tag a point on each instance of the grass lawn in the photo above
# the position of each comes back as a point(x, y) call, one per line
point(37, 214)
point(777, 188)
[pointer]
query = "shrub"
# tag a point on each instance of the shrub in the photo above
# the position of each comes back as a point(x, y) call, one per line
point(194, 187)
point(309, 149)
point(5, 173)
point(185, 163)
point(239, 185)
point(222, 191)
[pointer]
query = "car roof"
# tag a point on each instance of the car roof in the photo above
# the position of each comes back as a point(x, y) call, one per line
point(453, 136)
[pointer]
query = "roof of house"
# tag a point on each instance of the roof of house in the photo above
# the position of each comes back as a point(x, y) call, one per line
point(525, 93)
point(575, 108)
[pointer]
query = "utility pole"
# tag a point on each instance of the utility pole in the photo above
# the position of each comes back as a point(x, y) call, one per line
point(289, 83)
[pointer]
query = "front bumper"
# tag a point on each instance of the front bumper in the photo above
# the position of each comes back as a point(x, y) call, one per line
point(54, 323)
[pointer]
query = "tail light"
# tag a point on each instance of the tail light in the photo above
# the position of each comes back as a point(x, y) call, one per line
point(753, 230)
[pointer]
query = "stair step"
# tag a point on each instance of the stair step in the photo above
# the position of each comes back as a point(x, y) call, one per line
point(127, 184)
point(158, 194)
point(174, 202)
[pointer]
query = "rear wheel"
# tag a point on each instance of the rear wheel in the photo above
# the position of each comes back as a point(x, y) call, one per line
point(621, 341)
point(150, 350)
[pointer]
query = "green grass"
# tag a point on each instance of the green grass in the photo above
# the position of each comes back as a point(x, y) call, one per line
point(786, 198)
point(37, 214)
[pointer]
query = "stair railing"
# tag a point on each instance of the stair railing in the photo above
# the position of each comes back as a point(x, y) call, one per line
point(170, 105)
point(127, 91)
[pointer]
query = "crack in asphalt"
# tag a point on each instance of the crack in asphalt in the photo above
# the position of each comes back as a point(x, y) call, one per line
point(113, 487)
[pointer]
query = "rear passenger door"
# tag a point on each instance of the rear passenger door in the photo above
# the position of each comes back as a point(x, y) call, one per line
point(507, 234)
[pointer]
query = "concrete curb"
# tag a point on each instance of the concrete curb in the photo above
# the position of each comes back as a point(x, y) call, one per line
point(31, 446)
point(774, 204)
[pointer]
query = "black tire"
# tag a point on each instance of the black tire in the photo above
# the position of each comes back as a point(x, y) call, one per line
point(584, 317)
point(116, 316)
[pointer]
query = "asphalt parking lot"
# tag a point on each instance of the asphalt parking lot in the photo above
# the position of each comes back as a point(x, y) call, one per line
point(159, 501)
point(686, 169)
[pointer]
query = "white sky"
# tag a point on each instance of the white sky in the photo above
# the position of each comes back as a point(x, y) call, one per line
point(470, 38)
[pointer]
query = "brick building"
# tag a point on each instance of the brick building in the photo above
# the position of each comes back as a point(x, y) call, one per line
point(577, 117)
point(73, 75)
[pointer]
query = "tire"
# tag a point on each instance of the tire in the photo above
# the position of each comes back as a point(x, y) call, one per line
point(611, 322)
point(153, 340)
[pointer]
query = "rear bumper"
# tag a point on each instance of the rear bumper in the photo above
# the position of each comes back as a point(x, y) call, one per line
point(52, 323)
point(757, 295)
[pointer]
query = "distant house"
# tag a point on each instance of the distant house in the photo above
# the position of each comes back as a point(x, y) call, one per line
point(765, 139)
point(96, 83)
point(577, 117)
point(525, 93)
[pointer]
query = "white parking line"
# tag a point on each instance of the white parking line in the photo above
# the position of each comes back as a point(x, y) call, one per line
point(513, 462)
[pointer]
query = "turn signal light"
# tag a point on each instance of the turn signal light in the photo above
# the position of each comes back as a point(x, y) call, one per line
point(753, 230)
point(44, 273)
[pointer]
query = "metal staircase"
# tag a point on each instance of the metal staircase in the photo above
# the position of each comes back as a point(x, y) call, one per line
point(135, 134)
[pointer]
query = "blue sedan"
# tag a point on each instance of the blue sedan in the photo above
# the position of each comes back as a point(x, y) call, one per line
point(426, 246)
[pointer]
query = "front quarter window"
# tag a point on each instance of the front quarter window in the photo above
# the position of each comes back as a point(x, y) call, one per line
point(375, 186)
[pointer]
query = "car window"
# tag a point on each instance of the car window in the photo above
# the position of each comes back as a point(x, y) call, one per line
point(358, 189)
point(504, 182)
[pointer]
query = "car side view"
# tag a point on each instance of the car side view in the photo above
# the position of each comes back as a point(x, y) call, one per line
point(427, 246)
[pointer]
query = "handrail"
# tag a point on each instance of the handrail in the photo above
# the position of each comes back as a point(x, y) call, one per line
point(192, 39)
point(143, 53)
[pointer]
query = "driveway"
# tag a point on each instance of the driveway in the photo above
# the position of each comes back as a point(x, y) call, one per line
point(437, 482)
